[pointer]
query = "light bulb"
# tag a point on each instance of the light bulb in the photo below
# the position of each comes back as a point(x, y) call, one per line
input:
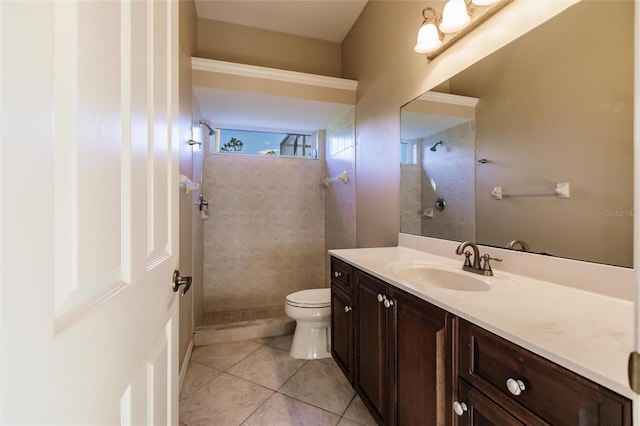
point(428, 39)
point(454, 16)
point(484, 2)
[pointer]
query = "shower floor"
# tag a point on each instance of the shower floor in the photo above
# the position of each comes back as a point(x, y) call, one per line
point(240, 324)
point(239, 315)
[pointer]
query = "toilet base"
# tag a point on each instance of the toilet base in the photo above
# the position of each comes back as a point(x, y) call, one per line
point(311, 341)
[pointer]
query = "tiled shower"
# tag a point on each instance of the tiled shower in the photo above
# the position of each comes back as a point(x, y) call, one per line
point(270, 224)
point(446, 173)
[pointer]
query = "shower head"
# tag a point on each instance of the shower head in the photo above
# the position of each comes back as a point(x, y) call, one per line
point(433, 148)
point(211, 131)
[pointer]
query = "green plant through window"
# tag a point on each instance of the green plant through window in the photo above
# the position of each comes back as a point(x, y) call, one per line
point(282, 144)
point(234, 145)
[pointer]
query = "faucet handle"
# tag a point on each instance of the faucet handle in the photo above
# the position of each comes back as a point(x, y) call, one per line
point(486, 266)
point(467, 259)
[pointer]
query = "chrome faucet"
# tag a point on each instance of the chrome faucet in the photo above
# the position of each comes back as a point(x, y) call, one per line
point(475, 266)
point(523, 246)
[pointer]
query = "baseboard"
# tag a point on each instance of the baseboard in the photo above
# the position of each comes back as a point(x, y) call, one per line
point(185, 364)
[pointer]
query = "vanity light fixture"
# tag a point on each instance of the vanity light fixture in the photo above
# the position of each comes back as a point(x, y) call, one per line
point(429, 36)
point(455, 16)
point(484, 2)
point(459, 17)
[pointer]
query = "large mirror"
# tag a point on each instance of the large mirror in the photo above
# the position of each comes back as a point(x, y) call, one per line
point(487, 154)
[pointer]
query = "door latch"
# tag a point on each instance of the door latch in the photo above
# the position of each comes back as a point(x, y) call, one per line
point(178, 281)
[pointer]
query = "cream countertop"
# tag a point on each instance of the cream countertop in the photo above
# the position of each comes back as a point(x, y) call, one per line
point(585, 332)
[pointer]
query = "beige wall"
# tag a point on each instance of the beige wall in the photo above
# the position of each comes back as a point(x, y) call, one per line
point(378, 52)
point(264, 237)
point(188, 264)
point(253, 46)
point(562, 113)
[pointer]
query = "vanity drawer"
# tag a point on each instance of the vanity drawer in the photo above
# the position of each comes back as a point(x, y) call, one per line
point(557, 395)
point(342, 274)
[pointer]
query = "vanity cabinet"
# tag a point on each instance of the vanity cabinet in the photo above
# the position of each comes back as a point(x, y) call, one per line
point(403, 355)
point(532, 388)
point(372, 346)
point(476, 409)
point(413, 363)
point(422, 354)
point(342, 315)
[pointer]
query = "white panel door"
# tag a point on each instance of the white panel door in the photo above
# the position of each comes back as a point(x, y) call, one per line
point(88, 212)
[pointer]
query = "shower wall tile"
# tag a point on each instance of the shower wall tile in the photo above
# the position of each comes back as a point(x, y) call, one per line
point(264, 237)
point(410, 198)
point(451, 169)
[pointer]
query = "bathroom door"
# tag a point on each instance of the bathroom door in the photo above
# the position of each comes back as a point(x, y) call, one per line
point(88, 219)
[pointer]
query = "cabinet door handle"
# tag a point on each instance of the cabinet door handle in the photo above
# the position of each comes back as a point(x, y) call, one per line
point(347, 308)
point(337, 274)
point(515, 386)
point(388, 303)
point(381, 297)
point(459, 407)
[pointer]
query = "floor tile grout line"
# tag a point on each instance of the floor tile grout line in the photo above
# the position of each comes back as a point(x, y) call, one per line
point(257, 408)
point(306, 361)
point(313, 405)
point(306, 402)
point(182, 397)
point(262, 343)
point(301, 401)
point(274, 390)
point(247, 356)
point(229, 368)
point(349, 405)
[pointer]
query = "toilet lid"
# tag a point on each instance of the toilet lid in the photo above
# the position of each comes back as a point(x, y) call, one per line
point(314, 298)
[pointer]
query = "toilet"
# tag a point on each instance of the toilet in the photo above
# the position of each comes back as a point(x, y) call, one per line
point(312, 311)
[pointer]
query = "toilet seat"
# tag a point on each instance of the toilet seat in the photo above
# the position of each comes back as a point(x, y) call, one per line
point(314, 298)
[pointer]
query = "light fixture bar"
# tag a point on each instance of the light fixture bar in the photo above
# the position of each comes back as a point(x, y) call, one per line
point(480, 16)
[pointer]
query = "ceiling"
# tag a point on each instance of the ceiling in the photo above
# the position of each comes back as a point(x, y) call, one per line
point(328, 20)
point(416, 125)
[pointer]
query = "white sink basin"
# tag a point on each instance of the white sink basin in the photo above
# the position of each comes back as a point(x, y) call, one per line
point(441, 277)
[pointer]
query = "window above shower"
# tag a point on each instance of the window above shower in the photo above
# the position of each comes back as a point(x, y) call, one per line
point(265, 142)
point(249, 109)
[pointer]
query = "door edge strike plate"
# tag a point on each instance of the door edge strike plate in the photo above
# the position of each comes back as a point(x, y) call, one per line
point(634, 372)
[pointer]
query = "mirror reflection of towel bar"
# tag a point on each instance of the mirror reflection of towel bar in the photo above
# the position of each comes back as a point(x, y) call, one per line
point(562, 190)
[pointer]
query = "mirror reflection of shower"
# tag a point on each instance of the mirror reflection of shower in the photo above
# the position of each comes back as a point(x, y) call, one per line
point(435, 146)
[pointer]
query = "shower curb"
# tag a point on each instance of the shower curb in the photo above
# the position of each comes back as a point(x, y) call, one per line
point(243, 330)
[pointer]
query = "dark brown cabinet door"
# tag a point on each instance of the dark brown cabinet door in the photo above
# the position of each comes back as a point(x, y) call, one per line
point(372, 361)
point(477, 410)
point(422, 352)
point(342, 331)
point(556, 395)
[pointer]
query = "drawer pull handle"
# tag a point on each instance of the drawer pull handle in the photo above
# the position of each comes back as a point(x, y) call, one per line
point(516, 387)
point(337, 274)
point(388, 303)
point(347, 308)
point(459, 407)
point(381, 298)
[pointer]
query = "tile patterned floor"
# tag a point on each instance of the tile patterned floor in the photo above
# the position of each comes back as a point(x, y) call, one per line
point(256, 382)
